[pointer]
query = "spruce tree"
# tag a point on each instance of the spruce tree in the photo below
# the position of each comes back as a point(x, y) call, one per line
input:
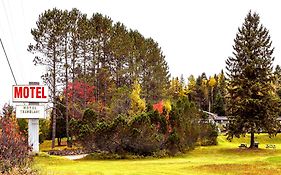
point(254, 104)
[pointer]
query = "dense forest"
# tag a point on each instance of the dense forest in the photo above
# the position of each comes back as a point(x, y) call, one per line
point(112, 85)
point(100, 69)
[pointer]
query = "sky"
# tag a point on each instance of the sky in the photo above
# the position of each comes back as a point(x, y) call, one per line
point(195, 36)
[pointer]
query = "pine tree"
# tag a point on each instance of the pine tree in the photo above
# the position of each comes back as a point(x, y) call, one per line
point(254, 104)
point(47, 36)
point(277, 74)
point(201, 92)
point(219, 95)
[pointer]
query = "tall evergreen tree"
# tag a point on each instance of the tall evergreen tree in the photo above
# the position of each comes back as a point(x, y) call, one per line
point(154, 72)
point(65, 74)
point(101, 58)
point(254, 104)
point(219, 94)
point(277, 74)
point(47, 37)
point(201, 92)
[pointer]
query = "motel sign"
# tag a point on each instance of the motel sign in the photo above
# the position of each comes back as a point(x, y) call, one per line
point(30, 93)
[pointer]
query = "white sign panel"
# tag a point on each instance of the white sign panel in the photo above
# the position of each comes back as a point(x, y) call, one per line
point(30, 111)
point(30, 93)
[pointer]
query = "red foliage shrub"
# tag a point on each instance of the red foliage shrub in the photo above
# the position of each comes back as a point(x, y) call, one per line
point(14, 149)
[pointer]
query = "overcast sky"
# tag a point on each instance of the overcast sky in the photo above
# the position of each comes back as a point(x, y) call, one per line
point(195, 36)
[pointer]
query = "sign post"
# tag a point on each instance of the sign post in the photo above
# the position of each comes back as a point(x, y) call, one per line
point(33, 94)
point(33, 134)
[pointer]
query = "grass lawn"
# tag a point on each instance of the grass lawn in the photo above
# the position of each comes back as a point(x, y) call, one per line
point(225, 158)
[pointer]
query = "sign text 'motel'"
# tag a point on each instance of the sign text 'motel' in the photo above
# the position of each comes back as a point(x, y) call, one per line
point(30, 93)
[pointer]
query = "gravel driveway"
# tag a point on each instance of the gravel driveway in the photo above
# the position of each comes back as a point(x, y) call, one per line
point(75, 157)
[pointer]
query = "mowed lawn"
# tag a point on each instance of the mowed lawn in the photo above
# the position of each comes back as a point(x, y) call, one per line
point(225, 158)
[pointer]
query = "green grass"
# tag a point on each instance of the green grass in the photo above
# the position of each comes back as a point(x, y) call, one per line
point(46, 146)
point(225, 158)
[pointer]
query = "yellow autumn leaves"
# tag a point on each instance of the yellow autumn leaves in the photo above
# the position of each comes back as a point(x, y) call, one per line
point(138, 105)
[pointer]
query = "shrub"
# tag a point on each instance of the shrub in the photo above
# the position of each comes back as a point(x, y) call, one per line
point(102, 156)
point(23, 125)
point(83, 130)
point(89, 117)
point(21, 171)
point(112, 136)
point(110, 156)
point(161, 153)
point(172, 129)
point(183, 126)
point(138, 135)
point(144, 136)
point(74, 126)
point(44, 126)
point(208, 134)
point(14, 150)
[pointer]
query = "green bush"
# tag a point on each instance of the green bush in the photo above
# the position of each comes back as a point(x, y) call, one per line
point(89, 117)
point(110, 156)
point(23, 125)
point(208, 134)
point(44, 125)
point(183, 126)
point(102, 156)
point(145, 137)
point(161, 153)
point(111, 136)
point(144, 134)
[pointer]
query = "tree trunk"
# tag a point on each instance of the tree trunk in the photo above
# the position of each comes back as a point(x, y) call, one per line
point(98, 76)
point(209, 105)
point(66, 94)
point(84, 74)
point(211, 100)
point(252, 145)
point(54, 99)
point(73, 62)
point(59, 141)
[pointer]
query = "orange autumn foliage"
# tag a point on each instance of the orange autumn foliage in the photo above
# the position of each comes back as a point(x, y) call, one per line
point(159, 107)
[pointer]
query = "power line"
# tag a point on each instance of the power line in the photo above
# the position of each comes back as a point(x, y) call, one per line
point(8, 62)
point(10, 25)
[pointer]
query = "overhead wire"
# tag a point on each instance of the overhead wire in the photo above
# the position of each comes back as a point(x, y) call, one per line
point(11, 27)
point(8, 62)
